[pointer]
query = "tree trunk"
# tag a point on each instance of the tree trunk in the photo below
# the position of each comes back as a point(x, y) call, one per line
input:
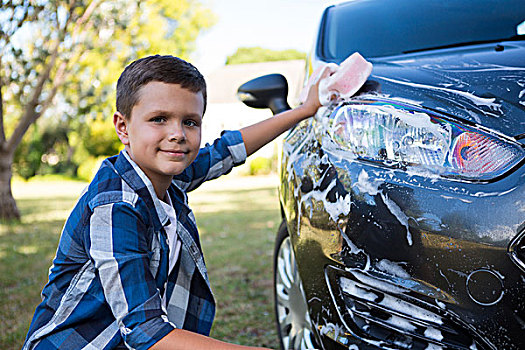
point(8, 208)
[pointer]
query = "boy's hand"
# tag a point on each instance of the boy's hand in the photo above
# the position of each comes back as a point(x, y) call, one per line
point(312, 103)
point(257, 135)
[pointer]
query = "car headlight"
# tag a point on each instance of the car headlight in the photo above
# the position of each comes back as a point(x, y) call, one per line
point(397, 134)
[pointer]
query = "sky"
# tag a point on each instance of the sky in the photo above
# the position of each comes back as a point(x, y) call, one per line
point(272, 24)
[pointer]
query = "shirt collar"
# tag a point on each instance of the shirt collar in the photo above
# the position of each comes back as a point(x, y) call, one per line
point(161, 212)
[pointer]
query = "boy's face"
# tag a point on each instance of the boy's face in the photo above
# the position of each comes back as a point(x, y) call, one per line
point(163, 133)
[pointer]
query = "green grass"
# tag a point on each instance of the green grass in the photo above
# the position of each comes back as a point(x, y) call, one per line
point(237, 219)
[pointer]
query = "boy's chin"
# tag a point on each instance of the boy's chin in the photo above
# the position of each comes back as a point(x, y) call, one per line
point(174, 172)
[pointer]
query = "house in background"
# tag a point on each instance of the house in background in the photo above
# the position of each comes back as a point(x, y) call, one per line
point(226, 112)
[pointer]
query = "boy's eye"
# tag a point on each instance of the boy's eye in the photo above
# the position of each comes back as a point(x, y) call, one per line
point(158, 119)
point(191, 123)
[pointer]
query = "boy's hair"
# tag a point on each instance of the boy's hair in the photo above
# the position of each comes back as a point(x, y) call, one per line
point(166, 69)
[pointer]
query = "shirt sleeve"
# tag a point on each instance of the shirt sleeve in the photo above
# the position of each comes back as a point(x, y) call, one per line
point(214, 160)
point(120, 251)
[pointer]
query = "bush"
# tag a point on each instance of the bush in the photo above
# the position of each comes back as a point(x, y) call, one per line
point(87, 170)
point(261, 166)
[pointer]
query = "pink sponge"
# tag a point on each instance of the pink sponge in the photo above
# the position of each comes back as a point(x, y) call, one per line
point(349, 78)
point(340, 82)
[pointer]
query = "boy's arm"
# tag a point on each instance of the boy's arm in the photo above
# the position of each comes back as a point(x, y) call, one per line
point(257, 135)
point(183, 340)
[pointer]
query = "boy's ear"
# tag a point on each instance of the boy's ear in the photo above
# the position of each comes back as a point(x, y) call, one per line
point(121, 127)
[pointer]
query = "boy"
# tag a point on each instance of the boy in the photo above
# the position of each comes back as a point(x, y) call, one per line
point(129, 271)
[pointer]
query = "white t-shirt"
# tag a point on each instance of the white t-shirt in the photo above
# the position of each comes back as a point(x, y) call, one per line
point(174, 242)
point(171, 230)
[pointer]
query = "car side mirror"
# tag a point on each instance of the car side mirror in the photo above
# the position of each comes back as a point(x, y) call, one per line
point(267, 91)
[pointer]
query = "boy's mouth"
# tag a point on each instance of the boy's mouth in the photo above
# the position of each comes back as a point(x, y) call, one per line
point(174, 153)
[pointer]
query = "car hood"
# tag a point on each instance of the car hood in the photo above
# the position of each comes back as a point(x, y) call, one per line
point(484, 84)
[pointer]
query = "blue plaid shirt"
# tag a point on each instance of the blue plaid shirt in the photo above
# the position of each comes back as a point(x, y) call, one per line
point(111, 267)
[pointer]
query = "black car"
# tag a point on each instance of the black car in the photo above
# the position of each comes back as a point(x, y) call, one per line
point(403, 207)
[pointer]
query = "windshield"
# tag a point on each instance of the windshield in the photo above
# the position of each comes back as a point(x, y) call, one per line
point(383, 28)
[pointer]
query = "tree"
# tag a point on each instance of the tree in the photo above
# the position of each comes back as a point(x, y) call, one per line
point(60, 59)
point(259, 54)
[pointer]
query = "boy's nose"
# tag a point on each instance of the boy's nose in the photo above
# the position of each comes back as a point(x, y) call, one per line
point(176, 133)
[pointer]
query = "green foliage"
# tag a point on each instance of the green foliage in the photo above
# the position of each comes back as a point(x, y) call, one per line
point(87, 170)
point(99, 138)
point(28, 155)
point(59, 63)
point(44, 150)
point(261, 166)
point(259, 54)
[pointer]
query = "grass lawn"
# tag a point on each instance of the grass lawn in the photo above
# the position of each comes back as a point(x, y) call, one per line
point(237, 218)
